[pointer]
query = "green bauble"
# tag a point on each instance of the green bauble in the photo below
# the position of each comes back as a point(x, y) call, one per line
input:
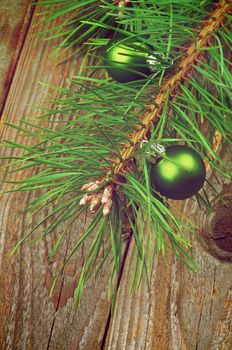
point(180, 174)
point(127, 61)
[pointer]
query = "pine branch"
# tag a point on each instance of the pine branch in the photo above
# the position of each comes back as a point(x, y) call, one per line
point(170, 87)
point(101, 117)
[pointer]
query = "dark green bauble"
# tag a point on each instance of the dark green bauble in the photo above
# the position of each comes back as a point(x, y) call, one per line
point(126, 60)
point(180, 174)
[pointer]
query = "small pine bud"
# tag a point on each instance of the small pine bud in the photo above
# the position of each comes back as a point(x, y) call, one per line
point(95, 203)
point(86, 199)
point(106, 207)
point(107, 194)
point(91, 186)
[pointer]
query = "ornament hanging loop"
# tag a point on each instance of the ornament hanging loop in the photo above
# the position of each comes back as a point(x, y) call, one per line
point(152, 151)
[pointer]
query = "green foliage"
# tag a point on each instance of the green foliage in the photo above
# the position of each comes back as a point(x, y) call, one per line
point(94, 118)
point(90, 22)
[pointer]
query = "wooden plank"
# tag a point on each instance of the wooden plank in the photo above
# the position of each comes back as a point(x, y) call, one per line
point(14, 20)
point(29, 319)
point(183, 310)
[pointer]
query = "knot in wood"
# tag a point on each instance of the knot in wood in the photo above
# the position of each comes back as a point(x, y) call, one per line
point(217, 234)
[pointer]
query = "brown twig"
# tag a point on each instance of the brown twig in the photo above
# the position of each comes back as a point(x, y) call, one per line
point(121, 4)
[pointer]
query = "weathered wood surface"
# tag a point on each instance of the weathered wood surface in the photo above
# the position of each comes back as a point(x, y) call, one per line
point(29, 319)
point(183, 311)
point(14, 20)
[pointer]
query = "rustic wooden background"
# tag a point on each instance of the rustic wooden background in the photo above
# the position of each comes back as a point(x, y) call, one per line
point(183, 311)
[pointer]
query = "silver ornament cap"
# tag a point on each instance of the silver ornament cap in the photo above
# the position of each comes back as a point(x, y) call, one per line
point(158, 61)
point(153, 151)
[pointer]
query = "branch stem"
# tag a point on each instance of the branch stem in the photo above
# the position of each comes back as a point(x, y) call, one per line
point(170, 86)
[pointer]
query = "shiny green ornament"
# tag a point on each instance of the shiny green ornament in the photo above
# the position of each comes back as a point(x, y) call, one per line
point(180, 174)
point(127, 61)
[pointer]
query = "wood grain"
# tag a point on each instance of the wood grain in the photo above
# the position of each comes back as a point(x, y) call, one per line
point(14, 20)
point(183, 310)
point(29, 319)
